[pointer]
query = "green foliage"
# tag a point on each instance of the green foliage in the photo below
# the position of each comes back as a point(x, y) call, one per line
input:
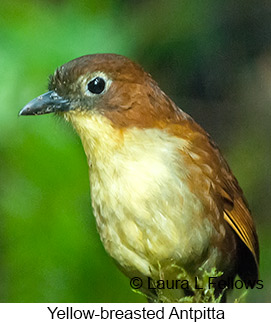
point(200, 292)
point(203, 293)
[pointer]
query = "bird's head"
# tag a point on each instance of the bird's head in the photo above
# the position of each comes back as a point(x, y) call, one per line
point(107, 84)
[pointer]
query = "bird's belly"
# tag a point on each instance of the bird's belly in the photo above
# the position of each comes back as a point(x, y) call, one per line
point(151, 219)
point(146, 212)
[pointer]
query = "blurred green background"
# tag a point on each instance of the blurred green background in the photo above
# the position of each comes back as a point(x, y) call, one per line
point(212, 57)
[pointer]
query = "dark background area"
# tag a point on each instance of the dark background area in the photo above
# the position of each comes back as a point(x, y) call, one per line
point(213, 58)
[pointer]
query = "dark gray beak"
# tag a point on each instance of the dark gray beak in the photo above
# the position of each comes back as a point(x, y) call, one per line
point(46, 103)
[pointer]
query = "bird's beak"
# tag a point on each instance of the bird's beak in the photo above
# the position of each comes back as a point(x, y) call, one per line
point(46, 103)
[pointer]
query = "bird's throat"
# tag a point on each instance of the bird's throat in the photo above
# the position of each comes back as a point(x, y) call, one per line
point(99, 137)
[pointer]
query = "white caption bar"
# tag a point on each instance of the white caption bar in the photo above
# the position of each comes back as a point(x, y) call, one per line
point(59, 312)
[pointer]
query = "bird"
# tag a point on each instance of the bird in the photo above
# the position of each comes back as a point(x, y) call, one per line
point(163, 196)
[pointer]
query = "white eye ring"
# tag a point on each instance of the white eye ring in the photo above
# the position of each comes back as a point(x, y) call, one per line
point(98, 83)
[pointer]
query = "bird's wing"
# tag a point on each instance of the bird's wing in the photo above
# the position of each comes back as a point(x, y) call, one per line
point(230, 196)
point(236, 212)
point(240, 220)
point(237, 215)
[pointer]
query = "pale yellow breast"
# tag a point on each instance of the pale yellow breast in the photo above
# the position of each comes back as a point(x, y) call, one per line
point(144, 209)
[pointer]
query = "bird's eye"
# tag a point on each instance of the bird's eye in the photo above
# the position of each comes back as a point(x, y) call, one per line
point(97, 85)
